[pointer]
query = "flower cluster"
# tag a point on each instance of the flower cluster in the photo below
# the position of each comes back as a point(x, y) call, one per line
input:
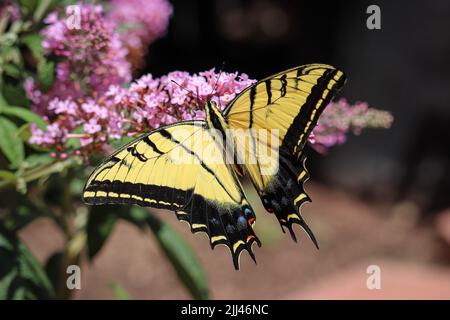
point(340, 117)
point(91, 56)
point(148, 103)
point(141, 21)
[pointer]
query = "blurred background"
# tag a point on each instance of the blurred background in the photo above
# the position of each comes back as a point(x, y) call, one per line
point(382, 198)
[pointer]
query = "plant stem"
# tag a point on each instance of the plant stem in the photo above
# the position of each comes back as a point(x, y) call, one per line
point(75, 232)
point(42, 171)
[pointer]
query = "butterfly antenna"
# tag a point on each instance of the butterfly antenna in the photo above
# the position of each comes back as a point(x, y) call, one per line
point(190, 91)
point(218, 78)
point(183, 87)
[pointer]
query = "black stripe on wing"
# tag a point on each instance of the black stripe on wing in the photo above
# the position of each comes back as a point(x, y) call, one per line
point(145, 195)
point(321, 94)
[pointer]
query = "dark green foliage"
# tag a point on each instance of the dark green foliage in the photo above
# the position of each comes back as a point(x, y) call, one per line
point(21, 275)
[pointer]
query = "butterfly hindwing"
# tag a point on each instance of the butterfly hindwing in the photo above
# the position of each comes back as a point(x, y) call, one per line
point(285, 194)
point(168, 169)
point(288, 104)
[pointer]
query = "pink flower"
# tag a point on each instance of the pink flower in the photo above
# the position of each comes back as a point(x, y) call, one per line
point(38, 136)
point(92, 57)
point(53, 135)
point(11, 9)
point(340, 117)
point(92, 127)
point(63, 106)
point(143, 21)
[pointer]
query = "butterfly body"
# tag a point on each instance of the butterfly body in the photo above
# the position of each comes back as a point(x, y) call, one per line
point(192, 167)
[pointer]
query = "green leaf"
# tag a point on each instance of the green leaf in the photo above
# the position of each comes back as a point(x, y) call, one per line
point(21, 215)
point(26, 115)
point(10, 143)
point(24, 132)
point(3, 102)
point(77, 185)
point(36, 159)
point(7, 176)
point(182, 257)
point(17, 26)
point(46, 74)
point(119, 292)
point(29, 5)
point(34, 43)
point(117, 143)
point(100, 224)
point(43, 6)
point(137, 216)
point(21, 275)
point(15, 95)
point(53, 268)
point(11, 54)
point(12, 70)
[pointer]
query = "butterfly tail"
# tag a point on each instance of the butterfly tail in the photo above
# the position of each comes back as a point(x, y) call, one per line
point(286, 195)
point(231, 226)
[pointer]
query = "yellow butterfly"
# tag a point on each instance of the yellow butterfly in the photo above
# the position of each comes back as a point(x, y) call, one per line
point(192, 167)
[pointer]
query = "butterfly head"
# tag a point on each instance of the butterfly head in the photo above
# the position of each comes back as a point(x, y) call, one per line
point(214, 117)
point(211, 107)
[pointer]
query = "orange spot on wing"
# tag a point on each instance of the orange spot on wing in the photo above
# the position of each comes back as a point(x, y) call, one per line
point(250, 237)
point(251, 221)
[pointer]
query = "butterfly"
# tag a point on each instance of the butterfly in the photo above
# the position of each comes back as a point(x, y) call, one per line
point(193, 167)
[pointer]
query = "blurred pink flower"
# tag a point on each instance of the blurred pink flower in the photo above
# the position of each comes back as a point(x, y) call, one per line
point(92, 127)
point(63, 107)
point(11, 9)
point(51, 136)
point(141, 21)
point(340, 117)
point(92, 58)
